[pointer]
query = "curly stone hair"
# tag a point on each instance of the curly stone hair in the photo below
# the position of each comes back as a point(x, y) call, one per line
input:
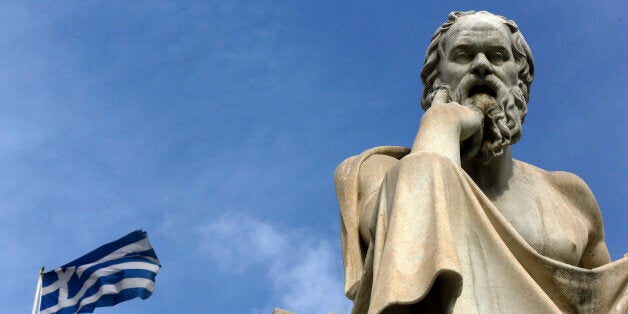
point(430, 71)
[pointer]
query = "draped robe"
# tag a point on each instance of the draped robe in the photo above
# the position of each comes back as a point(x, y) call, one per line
point(438, 242)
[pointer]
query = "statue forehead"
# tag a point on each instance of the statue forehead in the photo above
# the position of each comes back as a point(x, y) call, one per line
point(478, 28)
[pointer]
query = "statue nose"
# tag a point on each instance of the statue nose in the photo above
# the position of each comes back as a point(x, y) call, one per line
point(481, 65)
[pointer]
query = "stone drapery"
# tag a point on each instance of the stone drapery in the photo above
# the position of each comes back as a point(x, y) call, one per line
point(440, 242)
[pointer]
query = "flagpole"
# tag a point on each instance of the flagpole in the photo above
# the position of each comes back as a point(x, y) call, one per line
point(38, 293)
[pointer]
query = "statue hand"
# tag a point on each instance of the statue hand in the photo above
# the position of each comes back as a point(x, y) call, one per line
point(465, 116)
point(446, 124)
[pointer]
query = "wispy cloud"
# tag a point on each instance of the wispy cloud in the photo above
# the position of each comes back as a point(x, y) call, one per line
point(238, 242)
point(303, 270)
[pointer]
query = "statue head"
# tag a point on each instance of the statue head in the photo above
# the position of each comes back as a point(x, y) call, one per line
point(483, 57)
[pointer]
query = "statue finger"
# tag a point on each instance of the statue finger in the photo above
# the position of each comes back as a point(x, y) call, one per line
point(441, 96)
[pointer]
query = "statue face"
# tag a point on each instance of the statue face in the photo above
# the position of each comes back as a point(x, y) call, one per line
point(476, 51)
point(477, 63)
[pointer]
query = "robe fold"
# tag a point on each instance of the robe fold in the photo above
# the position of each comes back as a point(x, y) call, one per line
point(435, 235)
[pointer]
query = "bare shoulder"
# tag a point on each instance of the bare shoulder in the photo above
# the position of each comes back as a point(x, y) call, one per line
point(575, 191)
point(577, 194)
point(567, 185)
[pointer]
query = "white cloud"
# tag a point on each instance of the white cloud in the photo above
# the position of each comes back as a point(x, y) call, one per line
point(302, 268)
point(308, 282)
point(238, 241)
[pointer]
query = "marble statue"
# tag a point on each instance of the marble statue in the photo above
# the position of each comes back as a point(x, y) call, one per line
point(455, 224)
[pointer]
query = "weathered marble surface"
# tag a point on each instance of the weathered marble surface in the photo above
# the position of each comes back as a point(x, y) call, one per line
point(455, 224)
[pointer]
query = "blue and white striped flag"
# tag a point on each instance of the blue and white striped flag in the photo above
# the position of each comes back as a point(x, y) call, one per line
point(113, 273)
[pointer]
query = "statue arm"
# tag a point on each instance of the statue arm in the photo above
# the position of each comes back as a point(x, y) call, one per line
point(578, 193)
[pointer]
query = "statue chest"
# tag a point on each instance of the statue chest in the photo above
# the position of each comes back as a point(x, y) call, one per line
point(553, 227)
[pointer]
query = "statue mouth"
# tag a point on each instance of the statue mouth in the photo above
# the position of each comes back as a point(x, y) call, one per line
point(481, 88)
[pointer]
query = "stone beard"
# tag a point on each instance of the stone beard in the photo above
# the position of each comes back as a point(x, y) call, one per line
point(504, 109)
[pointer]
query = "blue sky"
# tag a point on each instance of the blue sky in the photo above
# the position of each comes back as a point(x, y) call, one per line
point(217, 126)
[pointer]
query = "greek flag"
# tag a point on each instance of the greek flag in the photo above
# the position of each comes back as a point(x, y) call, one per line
point(113, 273)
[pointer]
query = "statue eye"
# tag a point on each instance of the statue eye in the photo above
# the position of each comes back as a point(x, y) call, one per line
point(498, 57)
point(461, 56)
